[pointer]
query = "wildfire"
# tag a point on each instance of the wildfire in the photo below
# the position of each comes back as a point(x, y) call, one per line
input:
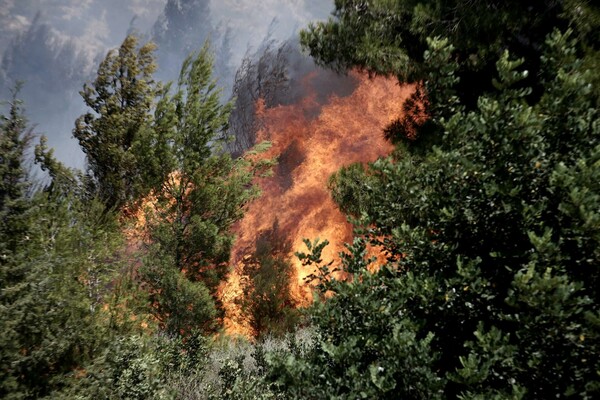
point(312, 141)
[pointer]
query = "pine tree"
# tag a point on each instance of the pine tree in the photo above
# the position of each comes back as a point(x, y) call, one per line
point(121, 100)
point(198, 201)
point(14, 139)
point(54, 270)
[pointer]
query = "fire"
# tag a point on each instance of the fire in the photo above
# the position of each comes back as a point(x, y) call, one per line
point(312, 141)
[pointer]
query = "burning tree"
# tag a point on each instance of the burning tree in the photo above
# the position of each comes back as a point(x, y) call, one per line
point(301, 129)
point(267, 278)
point(201, 197)
point(262, 76)
point(274, 75)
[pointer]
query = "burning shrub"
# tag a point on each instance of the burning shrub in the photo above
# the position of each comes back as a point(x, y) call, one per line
point(267, 277)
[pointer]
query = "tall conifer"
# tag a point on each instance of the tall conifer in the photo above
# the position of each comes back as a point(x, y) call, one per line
point(121, 101)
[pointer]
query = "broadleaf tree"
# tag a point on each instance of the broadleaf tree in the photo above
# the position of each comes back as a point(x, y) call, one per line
point(487, 214)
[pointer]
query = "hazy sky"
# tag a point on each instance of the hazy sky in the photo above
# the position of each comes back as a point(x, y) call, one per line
point(93, 24)
point(91, 27)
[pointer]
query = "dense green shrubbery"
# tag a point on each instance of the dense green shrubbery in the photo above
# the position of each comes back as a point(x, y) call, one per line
point(489, 214)
point(73, 319)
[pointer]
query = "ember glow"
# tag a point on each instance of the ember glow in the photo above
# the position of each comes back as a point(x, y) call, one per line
point(312, 141)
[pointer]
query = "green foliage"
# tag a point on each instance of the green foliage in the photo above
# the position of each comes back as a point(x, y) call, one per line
point(185, 355)
point(128, 368)
point(144, 367)
point(488, 216)
point(70, 319)
point(177, 302)
point(121, 100)
point(13, 230)
point(366, 346)
point(58, 257)
point(201, 196)
point(243, 368)
point(225, 368)
point(392, 38)
point(197, 197)
point(51, 315)
point(14, 139)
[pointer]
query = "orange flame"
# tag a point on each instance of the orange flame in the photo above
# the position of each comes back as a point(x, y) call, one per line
point(312, 141)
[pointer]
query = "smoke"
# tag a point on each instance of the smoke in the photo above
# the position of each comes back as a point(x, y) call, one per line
point(54, 46)
point(180, 29)
point(253, 20)
point(274, 76)
point(49, 95)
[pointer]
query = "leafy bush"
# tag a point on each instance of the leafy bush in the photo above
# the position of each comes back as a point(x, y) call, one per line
point(488, 218)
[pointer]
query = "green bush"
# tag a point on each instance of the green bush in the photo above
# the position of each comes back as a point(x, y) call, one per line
point(488, 215)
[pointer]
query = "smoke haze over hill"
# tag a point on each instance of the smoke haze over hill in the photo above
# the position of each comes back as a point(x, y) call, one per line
point(54, 46)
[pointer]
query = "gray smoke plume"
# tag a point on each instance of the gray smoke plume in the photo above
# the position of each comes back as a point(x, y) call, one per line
point(274, 74)
point(54, 46)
